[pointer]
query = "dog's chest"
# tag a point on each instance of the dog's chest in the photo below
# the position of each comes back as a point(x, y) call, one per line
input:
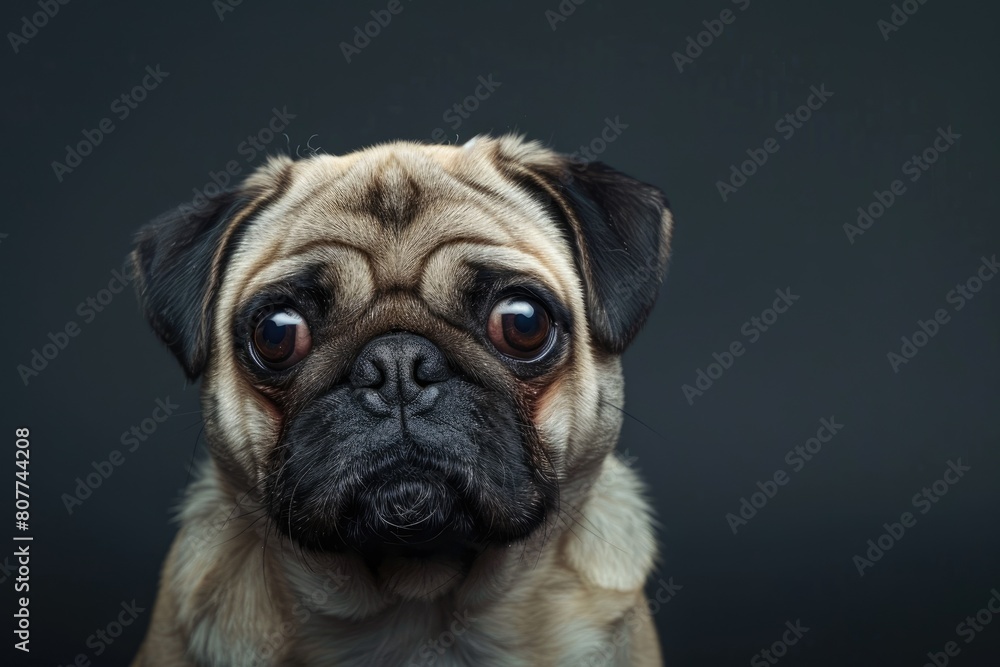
point(462, 640)
point(411, 638)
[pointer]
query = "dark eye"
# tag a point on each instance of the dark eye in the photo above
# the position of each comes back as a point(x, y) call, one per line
point(281, 339)
point(520, 328)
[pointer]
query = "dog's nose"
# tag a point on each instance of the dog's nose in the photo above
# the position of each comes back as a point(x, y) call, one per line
point(396, 369)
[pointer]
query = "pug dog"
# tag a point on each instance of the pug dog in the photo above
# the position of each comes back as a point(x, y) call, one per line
point(412, 392)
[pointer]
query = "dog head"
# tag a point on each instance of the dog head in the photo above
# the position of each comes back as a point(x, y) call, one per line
point(409, 349)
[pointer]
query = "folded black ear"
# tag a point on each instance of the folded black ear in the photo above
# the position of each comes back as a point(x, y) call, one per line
point(620, 228)
point(175, 265)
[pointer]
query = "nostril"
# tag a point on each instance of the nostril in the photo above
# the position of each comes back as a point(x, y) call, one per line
point(380, 374)
point(430, 371)
point(373, 401)
point(369, 373)
point(399, 367)
point(419, 378)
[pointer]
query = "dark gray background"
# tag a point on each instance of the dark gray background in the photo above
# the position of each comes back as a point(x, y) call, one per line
point(825, 357)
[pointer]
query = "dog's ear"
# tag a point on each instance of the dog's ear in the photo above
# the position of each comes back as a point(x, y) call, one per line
point(175, 265)
point(179, 258)
point(620, 229)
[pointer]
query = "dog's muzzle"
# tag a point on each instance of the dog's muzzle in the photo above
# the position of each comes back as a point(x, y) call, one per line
point(405, 453)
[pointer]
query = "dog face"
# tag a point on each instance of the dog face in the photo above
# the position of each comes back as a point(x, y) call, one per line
point(410, 349)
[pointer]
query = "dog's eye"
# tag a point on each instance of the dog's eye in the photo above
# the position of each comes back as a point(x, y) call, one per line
point(281, 339)
point(520, 328)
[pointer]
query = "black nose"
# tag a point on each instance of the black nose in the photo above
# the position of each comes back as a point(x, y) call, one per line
point(397, 369)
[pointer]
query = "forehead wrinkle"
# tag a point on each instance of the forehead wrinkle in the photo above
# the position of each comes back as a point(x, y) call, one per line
point(503, 257)
point(291, 264)
point(309, 246)
point(250, 264)
point(396, 167)
point(317, 179)
point(470, 201)
point(326, 204)
point(323, 215)
point(538, 241)
point(288, 218)
point(453, 223)
point(484, 189)
point(532, 223)
point(400, 256)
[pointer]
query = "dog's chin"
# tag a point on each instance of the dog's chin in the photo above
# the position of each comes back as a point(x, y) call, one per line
point(407, 513)
point(410, 514)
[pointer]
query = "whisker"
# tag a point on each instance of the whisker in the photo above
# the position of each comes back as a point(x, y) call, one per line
point(631, 416)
